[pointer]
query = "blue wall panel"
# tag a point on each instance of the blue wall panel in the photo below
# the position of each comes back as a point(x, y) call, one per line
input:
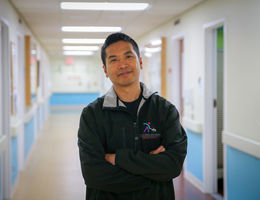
point(42, 116)
point(38, 120)
point(43, 112)
point(243, 175)
point(28, 136)
point(73, 98)
point(194, 155)
point(14, 158)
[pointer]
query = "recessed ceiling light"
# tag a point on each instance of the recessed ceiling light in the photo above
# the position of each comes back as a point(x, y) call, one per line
point(103, 6)
point(83, 41)
point(81, 48)
point(156, 42)
point(152, 50)
point(148, 55)
point(78, 53)
point(90, 29)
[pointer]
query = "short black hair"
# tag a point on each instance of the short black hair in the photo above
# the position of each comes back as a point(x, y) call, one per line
point(116, 37)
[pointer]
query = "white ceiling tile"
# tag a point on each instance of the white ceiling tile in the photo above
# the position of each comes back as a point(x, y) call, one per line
point(45, 18)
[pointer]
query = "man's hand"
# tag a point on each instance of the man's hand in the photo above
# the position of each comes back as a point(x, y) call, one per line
point(110, 158)
point(158, 150)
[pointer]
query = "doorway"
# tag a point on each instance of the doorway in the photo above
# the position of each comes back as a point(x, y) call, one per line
point(181, 61)
point(5, 109)
point(219, 107)
point(177, 71)
point(214, 108)
point(1, 113)
point(20, 98)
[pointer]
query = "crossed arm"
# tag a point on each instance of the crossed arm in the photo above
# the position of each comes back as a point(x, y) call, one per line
point(161, 164)
point(133, 170)
point(112, 157)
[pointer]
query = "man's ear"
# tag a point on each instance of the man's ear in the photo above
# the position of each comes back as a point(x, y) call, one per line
point(105, 70)
point(141, 63)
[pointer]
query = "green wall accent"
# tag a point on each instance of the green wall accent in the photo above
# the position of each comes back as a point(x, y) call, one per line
point(220, 38)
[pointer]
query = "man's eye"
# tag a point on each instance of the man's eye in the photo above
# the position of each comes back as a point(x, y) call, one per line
point(113, 60)
point(129, 56)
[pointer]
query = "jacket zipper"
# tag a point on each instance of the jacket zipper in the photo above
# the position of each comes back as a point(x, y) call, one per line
point(135, 136)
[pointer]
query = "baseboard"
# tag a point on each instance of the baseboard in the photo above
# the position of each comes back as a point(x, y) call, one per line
point(193, 180)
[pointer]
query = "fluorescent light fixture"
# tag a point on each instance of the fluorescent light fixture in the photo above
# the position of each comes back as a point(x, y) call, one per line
point(83, 41)
point(103, 6)
point(148, 55)
point(152, 50)
point(78, 53)
point(156, 42)
point(90, 29)
point(80, 48)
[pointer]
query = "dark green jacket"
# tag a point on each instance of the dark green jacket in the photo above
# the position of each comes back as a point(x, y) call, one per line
point(107, 127)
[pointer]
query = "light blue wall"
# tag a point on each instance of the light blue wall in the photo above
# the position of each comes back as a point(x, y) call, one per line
point(73, 98)
point(243, 175)
point(28, 136)
point(39, 120)
point(194, 154)
point(14, 159)
point(42, 115)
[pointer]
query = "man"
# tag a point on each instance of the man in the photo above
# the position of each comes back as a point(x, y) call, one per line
point(130, 140)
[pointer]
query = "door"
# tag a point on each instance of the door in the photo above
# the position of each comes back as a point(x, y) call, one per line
point(214, 108)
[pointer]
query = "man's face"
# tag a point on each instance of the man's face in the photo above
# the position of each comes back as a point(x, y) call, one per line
point(122, 64)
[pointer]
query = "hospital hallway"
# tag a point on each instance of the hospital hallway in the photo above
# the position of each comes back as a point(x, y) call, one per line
point(53, 170)
point(199, 55)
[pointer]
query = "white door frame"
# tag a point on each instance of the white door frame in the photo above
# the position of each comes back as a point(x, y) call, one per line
point(21, 92)
point(6, 109)
point(175, 49)
point(1, 116)
point(209, 128)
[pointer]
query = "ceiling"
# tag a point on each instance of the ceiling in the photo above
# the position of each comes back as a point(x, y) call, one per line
point(45, 18)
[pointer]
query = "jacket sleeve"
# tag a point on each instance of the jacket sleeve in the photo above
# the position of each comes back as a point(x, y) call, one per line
point(163, 166)
point(97, 172)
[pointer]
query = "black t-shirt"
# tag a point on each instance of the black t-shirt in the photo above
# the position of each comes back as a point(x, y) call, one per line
point(132, 107)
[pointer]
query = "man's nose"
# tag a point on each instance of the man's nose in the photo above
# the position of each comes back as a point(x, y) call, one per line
point(122, 63)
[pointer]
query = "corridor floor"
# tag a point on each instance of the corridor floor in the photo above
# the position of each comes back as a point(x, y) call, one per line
point(52, 171)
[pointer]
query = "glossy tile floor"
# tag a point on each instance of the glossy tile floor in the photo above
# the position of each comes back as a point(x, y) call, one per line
point(184, 190)
point(52, 171)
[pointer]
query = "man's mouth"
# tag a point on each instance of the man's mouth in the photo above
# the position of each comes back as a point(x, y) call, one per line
point(124, 73)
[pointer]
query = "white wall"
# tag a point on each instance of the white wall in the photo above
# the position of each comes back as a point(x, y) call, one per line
point(8, 13)
point(106, 83)
point(151, 72)
point(81, 76)
point(242, 61)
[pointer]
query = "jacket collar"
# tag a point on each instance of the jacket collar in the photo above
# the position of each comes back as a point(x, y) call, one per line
point(111, 99)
